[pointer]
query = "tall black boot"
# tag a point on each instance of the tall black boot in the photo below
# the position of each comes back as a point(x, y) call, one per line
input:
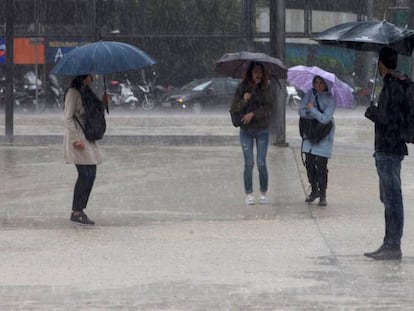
point(313, 195)
point(322, 198)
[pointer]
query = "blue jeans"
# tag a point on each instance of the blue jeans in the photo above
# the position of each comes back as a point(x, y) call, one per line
point(388, 169)
point(83, 186)
point(247, 138)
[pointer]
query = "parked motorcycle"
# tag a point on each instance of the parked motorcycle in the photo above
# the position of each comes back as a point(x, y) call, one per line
point(363, 94)
point(150, 93)
point(29, 94)
point(292, 97)
point(54, 93)
point(121, 94)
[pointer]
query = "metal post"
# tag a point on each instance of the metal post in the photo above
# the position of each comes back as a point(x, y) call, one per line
point(36, 42)
point(411, 26)
point(370, 10)
point(9, 70)
point(250, 19)
point(277, 49)
point(96, 34)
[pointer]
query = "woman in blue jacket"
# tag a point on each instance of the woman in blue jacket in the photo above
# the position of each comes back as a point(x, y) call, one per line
point(318, 103)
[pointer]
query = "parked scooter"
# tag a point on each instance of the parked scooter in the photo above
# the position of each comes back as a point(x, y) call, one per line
point(54, 93)
point(121, 94)
point(147, 100)
point(292, 97)
point(150, 93)
point(363, 94)
point(29, 93)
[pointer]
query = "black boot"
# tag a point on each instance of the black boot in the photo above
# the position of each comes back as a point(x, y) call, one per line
point(374, 253)
point(312, 196)
point(322, 198)
point(389, 252)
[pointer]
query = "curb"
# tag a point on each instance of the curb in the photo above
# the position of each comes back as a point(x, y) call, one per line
point(163, 140)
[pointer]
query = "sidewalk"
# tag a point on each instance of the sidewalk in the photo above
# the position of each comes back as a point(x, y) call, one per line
point(173, 232)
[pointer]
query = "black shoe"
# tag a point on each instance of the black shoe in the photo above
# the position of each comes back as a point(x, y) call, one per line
point(82, 219)
point(379, 250)
point(322, 202)
point(388, 253)
point(312, 197)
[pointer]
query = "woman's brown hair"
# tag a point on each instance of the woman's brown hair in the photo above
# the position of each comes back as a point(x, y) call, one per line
point(249, 73)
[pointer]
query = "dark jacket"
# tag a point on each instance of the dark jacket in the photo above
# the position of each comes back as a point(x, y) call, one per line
point(388, 117)
point(260, 103)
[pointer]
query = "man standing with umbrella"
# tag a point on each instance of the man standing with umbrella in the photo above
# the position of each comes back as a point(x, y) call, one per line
point(390, 149)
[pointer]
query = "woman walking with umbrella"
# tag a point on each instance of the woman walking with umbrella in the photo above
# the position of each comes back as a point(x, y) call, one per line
point(252, 99)
point(318, 103)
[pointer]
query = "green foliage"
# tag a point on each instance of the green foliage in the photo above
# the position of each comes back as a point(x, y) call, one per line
point(295, 61)
point(331, 64)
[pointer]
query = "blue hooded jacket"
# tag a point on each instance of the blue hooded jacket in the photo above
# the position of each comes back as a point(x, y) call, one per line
point(327, 104)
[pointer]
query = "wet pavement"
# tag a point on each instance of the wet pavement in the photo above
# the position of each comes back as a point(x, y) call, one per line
point(173, 232)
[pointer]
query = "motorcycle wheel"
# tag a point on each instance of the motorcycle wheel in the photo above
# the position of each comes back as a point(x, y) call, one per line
point(294, 103)
point(148, 103)
point(30, 105)
point(133, 105)
point(40, 105)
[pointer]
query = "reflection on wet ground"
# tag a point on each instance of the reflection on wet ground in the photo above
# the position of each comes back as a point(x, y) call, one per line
point(173, 232)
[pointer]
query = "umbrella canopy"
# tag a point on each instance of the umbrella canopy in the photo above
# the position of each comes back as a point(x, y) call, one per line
point(302, 76)
point(235, 64)
point(102, 57)
point(368, 36)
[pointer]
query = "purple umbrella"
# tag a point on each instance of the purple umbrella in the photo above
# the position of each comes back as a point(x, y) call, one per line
point(301, 77)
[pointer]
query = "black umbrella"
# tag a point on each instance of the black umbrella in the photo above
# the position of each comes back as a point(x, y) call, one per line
point(368, 36)
point(235, 64)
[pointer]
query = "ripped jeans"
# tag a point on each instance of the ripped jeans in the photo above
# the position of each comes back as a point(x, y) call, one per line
point(247, 138)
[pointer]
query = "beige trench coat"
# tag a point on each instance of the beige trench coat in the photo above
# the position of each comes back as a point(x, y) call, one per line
point(91, 154)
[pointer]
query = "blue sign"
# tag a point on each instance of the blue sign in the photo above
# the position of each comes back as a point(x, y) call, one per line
point(56, 49)
point(2, 51)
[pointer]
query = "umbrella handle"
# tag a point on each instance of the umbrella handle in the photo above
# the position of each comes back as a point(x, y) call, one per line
point(372, 96)
point(105, 95)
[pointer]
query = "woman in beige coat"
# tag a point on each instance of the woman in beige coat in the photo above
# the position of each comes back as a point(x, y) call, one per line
point(84, 154)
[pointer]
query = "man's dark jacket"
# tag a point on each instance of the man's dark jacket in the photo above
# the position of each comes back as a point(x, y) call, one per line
point(388, 116)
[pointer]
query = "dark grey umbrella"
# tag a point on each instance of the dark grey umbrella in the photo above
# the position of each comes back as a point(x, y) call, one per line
point(235, 64)
point(368, 36)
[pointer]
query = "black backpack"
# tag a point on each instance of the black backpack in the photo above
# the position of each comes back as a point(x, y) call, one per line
point(95, 124)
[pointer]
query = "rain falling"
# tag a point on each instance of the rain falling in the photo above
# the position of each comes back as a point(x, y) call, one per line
point(180, 215)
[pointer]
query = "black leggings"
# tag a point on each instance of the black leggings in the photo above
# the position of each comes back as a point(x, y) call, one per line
point(316, 168)
point(83, 186)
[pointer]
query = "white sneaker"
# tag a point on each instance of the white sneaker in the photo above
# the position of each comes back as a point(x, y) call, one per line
point(263, 199)
point(250, 200)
